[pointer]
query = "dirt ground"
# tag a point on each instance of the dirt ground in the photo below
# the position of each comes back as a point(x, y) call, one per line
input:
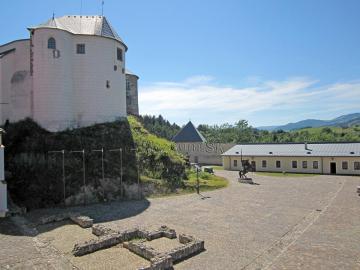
point(279, 223)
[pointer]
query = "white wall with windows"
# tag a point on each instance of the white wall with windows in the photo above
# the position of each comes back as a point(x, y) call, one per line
point(321, 165)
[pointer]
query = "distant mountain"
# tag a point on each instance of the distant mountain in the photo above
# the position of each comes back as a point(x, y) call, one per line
point(344, 120)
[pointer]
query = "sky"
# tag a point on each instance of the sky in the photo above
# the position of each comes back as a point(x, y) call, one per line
point(270, 62)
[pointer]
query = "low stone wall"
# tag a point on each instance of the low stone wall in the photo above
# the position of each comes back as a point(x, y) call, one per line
point(57, 218)
point(100, 230)
point(93, 245)
point(189, 249)
point(82, 221)
point(158, 260)
point(142, 250)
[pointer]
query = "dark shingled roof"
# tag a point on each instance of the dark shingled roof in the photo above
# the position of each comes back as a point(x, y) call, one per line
point(189, 134)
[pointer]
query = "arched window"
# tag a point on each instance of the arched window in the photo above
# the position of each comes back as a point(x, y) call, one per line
point(51, 43)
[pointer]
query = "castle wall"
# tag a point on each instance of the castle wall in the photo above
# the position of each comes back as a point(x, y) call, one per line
point(74, 90)
point(15, 81)
point(53, 84)
point(132, 94)
point(92, 72)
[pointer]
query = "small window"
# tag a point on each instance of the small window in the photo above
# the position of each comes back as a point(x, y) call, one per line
point(278, 164)
point(51, 43)
point(304, 164)
point(235, 163)
point(263, 163)
point(356, 165)
point(80, 48)
point(119, 54)
point(128, 86)
point(344, 165)
point(108, 84)
point(115, 67)
point(294, 164)
point(315, 164)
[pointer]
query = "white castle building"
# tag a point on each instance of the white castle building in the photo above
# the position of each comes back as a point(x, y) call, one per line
point(69, 73)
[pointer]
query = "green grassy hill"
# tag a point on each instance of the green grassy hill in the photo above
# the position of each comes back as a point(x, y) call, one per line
point(34, 174)
point(327, 134)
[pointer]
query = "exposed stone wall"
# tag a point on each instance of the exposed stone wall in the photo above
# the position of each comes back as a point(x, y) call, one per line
point(82, 221)
point(132, 104)
point(158, 260)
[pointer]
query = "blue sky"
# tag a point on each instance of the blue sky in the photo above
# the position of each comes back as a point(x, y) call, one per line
point(215, 61)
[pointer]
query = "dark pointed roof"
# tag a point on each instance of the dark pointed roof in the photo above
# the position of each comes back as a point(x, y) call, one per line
point(189, 133)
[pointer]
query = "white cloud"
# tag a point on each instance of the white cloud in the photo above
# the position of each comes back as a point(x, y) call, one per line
point(201, 96)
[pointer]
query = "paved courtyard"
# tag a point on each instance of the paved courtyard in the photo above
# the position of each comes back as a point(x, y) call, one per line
point(280, 223)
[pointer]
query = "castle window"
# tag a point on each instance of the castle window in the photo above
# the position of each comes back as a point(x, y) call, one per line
point(108, 84)
point(119, 54)
point(128, 86)
point(304, 164)
point(80, 48)
point(51, 43)
point(235, 163)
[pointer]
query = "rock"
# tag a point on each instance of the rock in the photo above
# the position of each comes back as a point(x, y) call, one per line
point(82, 221)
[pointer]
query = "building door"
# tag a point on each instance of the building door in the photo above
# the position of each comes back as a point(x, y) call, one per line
point(253, 166)
point(332, 167)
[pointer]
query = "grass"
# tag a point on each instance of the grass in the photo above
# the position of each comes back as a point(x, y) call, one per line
point(207, 181)
point(286, 174)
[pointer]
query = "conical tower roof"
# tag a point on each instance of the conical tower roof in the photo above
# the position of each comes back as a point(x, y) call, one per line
point(189, 133)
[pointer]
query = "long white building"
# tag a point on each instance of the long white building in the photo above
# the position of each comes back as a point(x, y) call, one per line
point(69, 73)
point(321, 158)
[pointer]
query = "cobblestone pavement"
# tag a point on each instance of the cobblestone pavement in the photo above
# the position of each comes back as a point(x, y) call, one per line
point(281, 223)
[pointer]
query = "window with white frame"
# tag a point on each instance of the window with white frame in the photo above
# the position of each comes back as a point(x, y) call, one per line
point(278, 164)
point(235, 163)
point(315, 164)
point(356, 165)
point(263, 164)
point(304, 164)
point(294, 164)
point(52, 43)
point(344, 165)
point(80, 48)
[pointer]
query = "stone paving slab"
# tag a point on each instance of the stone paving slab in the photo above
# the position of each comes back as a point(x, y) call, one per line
point(282, 223)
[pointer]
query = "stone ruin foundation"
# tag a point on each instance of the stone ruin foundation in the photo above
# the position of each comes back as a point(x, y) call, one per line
point(133, 239)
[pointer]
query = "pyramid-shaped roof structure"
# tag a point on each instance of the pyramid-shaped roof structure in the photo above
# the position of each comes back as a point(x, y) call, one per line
point(189, 133)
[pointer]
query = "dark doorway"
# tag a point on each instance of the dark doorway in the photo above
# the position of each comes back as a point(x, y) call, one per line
point(196, 159)
point(332, 167)
point(253, 166)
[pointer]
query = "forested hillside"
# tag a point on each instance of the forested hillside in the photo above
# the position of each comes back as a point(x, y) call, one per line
point(159, 126)
point(242, 132)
